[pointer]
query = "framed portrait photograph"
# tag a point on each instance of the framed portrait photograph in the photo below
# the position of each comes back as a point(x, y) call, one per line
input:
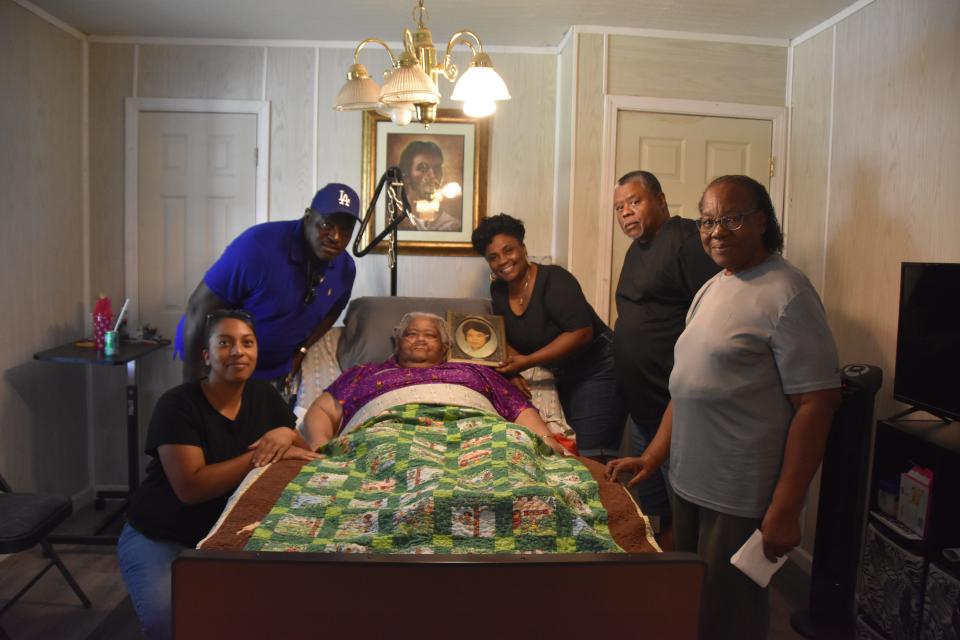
point(444, 170)
point(477, 338)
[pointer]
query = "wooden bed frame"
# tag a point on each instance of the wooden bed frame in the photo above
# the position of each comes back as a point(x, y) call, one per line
point(226, 594)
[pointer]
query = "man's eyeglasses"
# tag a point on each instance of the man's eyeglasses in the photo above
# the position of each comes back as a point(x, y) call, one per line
point(730, 223)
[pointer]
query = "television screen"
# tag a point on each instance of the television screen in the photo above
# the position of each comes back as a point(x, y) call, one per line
point(927, 374)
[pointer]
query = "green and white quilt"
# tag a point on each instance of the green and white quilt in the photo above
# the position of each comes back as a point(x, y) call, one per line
point(438, 479)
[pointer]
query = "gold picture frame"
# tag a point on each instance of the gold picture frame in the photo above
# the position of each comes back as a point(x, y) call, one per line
point(467, 327)
point(462, 143)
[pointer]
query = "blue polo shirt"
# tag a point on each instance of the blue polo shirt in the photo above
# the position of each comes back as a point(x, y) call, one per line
point(264, 272)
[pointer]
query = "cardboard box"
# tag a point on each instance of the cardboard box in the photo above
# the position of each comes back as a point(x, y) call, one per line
point(914, 507)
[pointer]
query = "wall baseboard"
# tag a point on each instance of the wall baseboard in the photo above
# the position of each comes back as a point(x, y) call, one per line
point(793, 583)
point(83, 498)
point(86, 497)
point(803, 559)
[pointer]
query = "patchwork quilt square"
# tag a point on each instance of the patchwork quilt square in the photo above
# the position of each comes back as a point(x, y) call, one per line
point(473, 522)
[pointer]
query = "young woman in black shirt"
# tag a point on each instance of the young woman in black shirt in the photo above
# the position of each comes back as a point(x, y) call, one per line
point(550, 323)
point(203, 439)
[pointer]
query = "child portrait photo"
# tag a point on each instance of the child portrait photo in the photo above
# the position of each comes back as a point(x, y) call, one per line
point(480, 339)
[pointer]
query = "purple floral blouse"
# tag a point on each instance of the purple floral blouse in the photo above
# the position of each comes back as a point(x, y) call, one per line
point(357, 386)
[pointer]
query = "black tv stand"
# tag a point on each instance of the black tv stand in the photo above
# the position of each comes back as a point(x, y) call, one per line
point(912, 410)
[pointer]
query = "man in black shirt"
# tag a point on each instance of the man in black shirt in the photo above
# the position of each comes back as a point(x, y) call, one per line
point(662, 270)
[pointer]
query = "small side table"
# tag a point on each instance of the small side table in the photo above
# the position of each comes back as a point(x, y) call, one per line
point(127, 355)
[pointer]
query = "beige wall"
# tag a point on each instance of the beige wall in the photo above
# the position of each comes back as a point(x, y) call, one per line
point(565, 96)
point(660, 68)
point(520, 166)
point(892, 191)
point(43, 421)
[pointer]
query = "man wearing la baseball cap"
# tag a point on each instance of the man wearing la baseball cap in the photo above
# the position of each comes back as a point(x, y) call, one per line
point(293, 277)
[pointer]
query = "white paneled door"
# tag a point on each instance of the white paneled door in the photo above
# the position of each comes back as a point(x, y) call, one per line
point(686, 152)
point(196, 191)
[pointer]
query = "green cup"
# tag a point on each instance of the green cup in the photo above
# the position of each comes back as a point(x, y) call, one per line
point(110, 343)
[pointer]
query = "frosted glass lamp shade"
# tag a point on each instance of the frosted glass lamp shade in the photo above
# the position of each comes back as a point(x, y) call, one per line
point(358, 93)
point(409, 84)
point(480, 84)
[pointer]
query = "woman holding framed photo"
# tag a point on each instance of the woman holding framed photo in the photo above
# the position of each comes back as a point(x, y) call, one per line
point(550, 324)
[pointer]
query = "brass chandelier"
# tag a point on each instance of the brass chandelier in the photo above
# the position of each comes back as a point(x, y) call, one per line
point(410, 89)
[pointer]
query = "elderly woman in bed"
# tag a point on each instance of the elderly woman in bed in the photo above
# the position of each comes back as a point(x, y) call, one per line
point(418, 373)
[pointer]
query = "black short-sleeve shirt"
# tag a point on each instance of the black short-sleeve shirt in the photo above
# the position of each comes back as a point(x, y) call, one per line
point(183, 415)
point(657, 284)
point(557, 305)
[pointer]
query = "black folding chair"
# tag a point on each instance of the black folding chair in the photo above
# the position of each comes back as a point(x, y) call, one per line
point(25, 521)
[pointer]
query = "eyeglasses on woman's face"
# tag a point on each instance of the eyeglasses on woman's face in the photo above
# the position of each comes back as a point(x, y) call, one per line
point(731, 222)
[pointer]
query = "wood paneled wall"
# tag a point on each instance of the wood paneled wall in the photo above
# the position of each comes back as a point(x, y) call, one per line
point(893, 188)
point(585, 191)
point(564, 186)
point(43, 409)
point(695, 70)
point(809, 156)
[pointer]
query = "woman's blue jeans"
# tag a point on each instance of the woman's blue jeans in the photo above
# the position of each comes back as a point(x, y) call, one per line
point(145, 565)
point(591, 402)
point(654, 493)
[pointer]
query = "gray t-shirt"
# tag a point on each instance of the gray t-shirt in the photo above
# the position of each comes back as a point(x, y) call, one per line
point(751, 339)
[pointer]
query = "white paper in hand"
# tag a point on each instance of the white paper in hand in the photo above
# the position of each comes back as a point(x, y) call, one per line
point(750, 559)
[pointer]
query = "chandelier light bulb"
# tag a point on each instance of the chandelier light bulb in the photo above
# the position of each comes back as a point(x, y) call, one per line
point(479, 108)
point(401, 114)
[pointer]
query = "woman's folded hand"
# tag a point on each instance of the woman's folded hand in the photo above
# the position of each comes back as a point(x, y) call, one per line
point(272, 446)
point(515, 363)
point(299, 453)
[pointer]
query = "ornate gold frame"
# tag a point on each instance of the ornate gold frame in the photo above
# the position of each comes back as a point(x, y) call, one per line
point(369, 178)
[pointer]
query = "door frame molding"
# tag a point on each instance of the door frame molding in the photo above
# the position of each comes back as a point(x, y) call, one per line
point(613, 105)
point(133, 108)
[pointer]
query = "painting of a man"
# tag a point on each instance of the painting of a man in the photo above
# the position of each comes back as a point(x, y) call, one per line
point(436, 204)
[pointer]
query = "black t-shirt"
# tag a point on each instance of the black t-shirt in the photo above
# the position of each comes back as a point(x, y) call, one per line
point(557, 305)
point(657, 284)
point(183, 415)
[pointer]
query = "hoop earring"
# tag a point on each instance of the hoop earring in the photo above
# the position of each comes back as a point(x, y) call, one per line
point(493, 277)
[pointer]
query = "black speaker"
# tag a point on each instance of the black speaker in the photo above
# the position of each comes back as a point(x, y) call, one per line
point(842, 510)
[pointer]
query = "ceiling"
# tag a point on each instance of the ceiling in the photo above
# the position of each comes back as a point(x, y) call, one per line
point(517, 23)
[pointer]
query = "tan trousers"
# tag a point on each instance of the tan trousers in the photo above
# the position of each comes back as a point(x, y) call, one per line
point(734, 606)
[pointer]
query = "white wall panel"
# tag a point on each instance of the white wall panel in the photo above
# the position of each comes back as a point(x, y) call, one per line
point(290, 84)
point(172, 71)
point(43, 415)
point(696, 70)
point(809, 155)
point(894, 188)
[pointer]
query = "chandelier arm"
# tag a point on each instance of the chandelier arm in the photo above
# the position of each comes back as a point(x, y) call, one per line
point(449, 69)
point(356, 52)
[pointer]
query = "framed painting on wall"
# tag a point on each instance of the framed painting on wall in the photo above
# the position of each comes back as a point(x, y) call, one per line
point(445, 176)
